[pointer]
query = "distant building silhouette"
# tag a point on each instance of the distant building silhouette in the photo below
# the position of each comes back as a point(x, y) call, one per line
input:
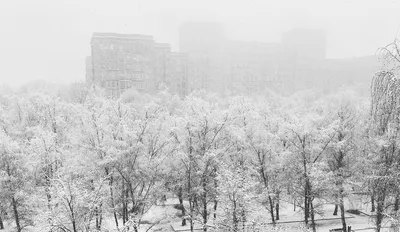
point(123, 61)
point(209, 61)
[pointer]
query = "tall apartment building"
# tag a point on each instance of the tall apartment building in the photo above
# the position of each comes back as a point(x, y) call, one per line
point(177, 74)
point(252, 65)
point(211, 62)
point(123, 61)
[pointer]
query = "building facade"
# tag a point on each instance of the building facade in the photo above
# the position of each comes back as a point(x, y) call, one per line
point(208, 61)
point(123, 61)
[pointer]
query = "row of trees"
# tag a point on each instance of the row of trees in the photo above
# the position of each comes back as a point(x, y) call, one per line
point(69, 164)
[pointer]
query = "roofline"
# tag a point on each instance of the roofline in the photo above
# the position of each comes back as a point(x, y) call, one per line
point(121, 36)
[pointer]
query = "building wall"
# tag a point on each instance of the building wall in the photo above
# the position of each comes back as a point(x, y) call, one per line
point(176, 78)
point(252, 66)
point(215, 64)
point(160, 62)
point(123, 61)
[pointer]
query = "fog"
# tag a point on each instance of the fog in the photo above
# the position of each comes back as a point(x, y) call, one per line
point(49, 39)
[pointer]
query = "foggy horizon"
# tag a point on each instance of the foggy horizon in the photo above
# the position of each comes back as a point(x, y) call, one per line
point(49, 40)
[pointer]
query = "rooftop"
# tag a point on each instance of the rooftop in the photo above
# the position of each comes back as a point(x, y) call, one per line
point(121, 36)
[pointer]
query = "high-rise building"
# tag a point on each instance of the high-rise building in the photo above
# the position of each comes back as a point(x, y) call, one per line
point(123, 61)
point(161, 56)
point(252, 65)
point(177, 73)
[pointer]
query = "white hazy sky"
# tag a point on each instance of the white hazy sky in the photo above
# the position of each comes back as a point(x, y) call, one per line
point(49, 39)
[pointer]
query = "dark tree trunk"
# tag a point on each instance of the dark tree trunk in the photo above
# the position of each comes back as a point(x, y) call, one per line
point(271, 209)
point(215, 208)
point(380, 207)
point(124, 201)
point(191, 206)
point(99, 217)
point(180, 197)
point(342, 216)
point(126, 204)
point(373, 202)
point(234, 217)
point(312, 215)
point(396, 203)
point(243, 220)
point(215, 198)
point(16, 216)
point(335, 210)
point(204, 202)
point(73, 218)
point(306, 205)
point(307, 188)
point(1, 224)
point(277, 210)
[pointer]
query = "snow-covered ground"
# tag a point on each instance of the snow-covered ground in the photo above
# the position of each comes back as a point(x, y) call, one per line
point(166, 216)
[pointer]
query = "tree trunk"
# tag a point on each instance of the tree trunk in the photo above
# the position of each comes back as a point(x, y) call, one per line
point(335, 210)
point(307, 188)
point(373, 202)
point(277, 210)
point(341, 205)
point(99, 217)
point(189, 189)
point(110, 183)
point(294, 205)
point(271, 209)
point(124, 203)
point(243, 219)
point(180, 197)
point(234, 217)
point(204, 202)
point(1, 224)
point(342, 215)
point(215, 208)
point(396, 203)
point(16, 216)
point(306, 205)
point(215, 198)
point(191, 206)
point(312, 215)
point(380, 207)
